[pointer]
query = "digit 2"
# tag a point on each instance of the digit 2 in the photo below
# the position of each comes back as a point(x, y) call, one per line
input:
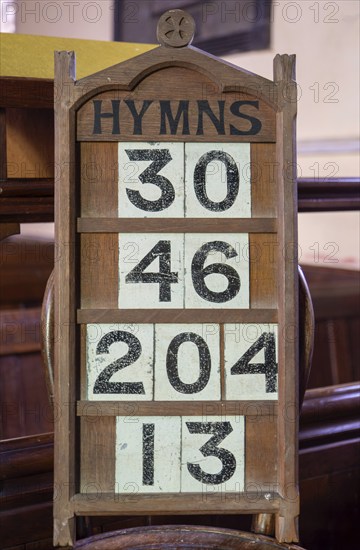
point(102, 383)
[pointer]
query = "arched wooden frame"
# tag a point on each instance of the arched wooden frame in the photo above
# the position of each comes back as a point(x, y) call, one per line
point(70, 96)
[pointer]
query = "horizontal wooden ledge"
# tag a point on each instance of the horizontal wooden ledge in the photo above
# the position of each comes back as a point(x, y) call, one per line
point(177, 225)
point(99, 504)
point(191, 138)
point(206, 409)
point(328, 194)
point(26, 209)
point(27, 187)
point(315, 195)
point(218, 316)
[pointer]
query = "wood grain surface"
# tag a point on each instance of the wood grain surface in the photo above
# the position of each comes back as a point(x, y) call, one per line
point(176, 96)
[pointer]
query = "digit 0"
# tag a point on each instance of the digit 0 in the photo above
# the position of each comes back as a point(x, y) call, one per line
point(172, 363)
point(232, 181)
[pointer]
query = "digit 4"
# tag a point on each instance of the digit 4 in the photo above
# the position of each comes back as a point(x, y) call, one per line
point(269, 367)
point(165, 277)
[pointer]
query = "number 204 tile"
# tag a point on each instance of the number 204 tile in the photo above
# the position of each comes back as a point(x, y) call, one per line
point(181, 362)
point(179, 454)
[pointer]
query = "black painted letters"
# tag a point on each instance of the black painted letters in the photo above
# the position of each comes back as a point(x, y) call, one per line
point(180, 118)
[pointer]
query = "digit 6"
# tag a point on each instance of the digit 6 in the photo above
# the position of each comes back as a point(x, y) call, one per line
point(199, 272)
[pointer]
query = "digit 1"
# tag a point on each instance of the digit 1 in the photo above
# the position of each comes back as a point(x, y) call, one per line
point(148, 454)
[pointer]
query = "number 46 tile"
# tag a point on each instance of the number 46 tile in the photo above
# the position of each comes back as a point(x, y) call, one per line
point(183, 270)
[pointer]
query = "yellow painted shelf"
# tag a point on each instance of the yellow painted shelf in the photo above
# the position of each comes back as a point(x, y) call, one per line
point(29, 56)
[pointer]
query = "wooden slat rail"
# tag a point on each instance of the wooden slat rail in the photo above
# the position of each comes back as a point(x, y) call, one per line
point(25, 456)
point(35, 93)
point(329, 413)
point(328, 194)
point(27, 187)
point(27, 200)
point(330, 402)
point(32, 200)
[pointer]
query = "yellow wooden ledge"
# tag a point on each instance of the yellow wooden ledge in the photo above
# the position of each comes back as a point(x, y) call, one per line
point(23, 55)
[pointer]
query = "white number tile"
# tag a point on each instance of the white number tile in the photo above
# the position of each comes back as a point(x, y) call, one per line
point(239, 338)
point(216, 180)
point(159, 470)
point(228, 472)
point(107, 343)
point(131, 166)
point(189, 356)
point(133, 248)
point(235, 245)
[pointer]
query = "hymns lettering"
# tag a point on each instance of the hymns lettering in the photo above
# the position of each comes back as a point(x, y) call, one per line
point(173, 117)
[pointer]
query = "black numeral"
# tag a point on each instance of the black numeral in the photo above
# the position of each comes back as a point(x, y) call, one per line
point(165, 277)
point(199, 272)
point(148, 454)
point(232, 181)
point(159, 158)
point(219, 430)
point(269, 367)
point(204, 363)
point(102, 383)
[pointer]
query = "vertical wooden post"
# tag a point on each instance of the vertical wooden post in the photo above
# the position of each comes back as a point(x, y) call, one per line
point(64, 404)
point(286, 521)
point(6, 229)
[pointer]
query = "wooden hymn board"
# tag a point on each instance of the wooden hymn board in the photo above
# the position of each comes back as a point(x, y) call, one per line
point(176, 295)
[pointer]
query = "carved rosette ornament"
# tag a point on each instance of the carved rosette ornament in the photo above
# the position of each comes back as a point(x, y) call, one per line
point(175, 29)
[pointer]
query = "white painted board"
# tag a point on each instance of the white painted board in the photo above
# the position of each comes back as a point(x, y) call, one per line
point(212, 454)
point(251, 361)
point(187, 363)
point(217, 180)
point(148, 455)
point(151, 180)
point(175, 454)
point(176, 180)
point(119, 362)
point(228, 285)
point(151, 271)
